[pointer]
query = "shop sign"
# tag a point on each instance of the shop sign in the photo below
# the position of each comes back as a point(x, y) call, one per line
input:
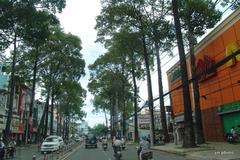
point(144, 119)
point(230, 107)
point(21, 128)
point(144, 126)
point(202, 66)
point(15, 125)
point(175, 75)
point(230, 49)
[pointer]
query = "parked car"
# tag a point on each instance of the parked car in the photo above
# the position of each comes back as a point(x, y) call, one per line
point(77, 139)
point(91, 141)
point(51, 144)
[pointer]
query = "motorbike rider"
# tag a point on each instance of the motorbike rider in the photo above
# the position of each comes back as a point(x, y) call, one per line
point(116, 143)
point(143, 147)
point(11, 148)
point(2, 149)
point(123, 140)
point(104, 141)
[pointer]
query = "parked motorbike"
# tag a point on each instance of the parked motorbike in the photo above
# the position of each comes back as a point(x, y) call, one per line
point(104, 145)
point(118, 153)
point(145, 156)
point(232, 139)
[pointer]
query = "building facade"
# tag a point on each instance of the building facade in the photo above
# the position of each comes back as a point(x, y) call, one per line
point(219, 90)
point(83, 128)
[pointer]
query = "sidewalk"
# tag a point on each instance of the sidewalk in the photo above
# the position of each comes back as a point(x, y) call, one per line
point(209, 151)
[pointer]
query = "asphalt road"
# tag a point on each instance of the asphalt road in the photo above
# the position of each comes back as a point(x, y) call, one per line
point(129, 154)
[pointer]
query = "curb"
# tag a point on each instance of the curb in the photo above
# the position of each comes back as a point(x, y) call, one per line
point(169, 151)
point(205, 158)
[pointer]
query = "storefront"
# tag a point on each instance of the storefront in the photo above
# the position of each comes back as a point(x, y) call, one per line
point(230, 114)
point(219, 90)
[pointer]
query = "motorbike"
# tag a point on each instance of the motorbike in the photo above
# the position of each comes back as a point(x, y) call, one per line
point(123, 146)
point(145, 156)
point(10, 152)
point(104, 145)
point(232, 139)
point(2, 152)
point(118, 153)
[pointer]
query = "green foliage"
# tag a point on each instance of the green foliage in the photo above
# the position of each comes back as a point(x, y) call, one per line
point(23, 20)
point(99, 130)
point(200, 15)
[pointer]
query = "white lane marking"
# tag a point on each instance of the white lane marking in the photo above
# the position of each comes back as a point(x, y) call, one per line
point(68, 154)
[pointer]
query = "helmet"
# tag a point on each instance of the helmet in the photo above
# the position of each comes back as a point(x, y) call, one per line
point(117, 137)
point(144, 138)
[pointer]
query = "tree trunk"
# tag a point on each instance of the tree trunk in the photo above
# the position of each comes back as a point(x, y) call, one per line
point(57, 105)
point(198, 114)
point(52, 110)
point(189, 137)
point(40, 126)
point(105, 115)
point(12, 86)
point(60, 125)
point(124, 120)
point(135, 102)
point(33, 90)
point(161, 98)
point(112, 118)
point(150, 96)
point(123, 103)
point(46, 112)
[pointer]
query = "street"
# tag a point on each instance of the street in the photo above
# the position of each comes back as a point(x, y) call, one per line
point(129, 154)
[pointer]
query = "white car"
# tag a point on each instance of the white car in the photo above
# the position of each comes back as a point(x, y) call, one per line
point(52, 143)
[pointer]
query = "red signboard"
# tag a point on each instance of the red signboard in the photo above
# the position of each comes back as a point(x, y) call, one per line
point(202, 66)
point(22, 89)
point(21, 128)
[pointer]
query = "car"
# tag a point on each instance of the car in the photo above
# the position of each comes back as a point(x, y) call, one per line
point(91, 141)
point(51, 144)
point(77, 139)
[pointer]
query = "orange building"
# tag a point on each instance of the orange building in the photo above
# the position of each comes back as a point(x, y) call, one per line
point(220, 90)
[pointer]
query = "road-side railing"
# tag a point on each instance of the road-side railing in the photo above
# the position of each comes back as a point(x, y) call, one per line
point(68, 147)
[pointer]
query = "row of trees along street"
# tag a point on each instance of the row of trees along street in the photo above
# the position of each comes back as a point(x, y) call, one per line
point(42, 55)
point(139, 31)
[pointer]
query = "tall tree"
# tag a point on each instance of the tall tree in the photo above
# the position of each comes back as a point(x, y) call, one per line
point(197, 16)
point(118, 14)
point(189, 137)
point(15, 17)
point(162, 37)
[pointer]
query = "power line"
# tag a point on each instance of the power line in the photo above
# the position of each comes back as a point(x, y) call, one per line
point(207, 71)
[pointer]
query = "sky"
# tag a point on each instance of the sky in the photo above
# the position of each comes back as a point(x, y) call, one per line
point(79, 18)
